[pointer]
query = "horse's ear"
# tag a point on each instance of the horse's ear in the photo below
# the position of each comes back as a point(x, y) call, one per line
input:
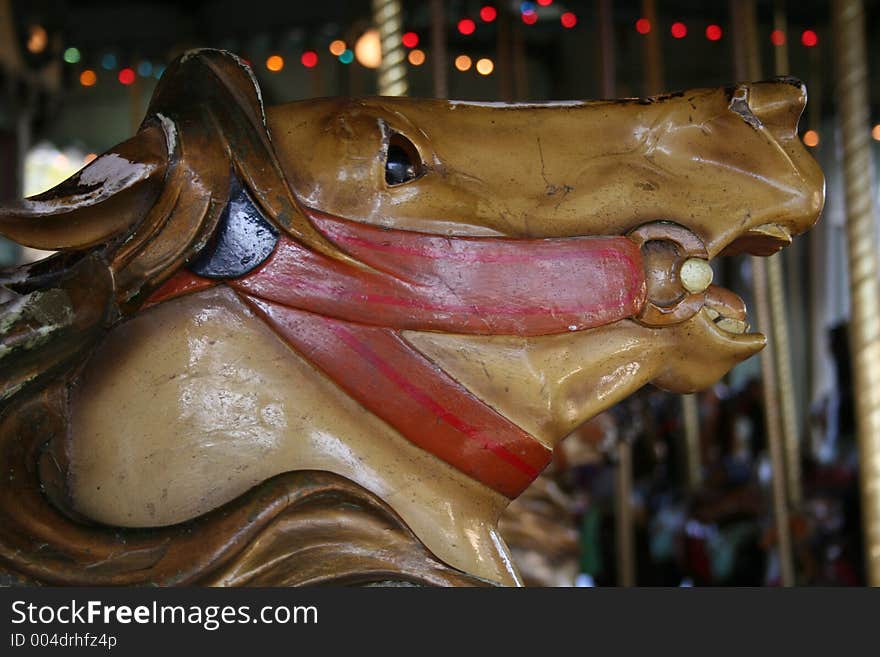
point(102, 201)
point(210, 78)
point(217, 90)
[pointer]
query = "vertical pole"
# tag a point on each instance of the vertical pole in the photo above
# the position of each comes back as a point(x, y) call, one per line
point(693, 454)
point(387, 15)
point(780, 52)
point(439, 63)
point(652, 55)
point(607, 75)
point(520, 71)
point(316, 79)
point(624, 520)
point(779, 324)
point(624, 525)
point(652, 66)
point(135, 113)
point(505, 56)
point(816, 279)
point(748, 66)
point(864, 327)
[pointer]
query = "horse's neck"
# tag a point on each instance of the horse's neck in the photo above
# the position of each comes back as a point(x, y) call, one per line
point(196, 400)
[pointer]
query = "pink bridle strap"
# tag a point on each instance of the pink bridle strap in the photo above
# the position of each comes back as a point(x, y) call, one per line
point(383, 372)
point(347, 321)
point(476, 285)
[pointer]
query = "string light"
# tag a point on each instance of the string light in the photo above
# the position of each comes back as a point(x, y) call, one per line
point(337, 47)
point(108, 61)
point(89, 157)
point(466, 26)
point(875, 132)
point(410, 39)
point(568, 20)
point(485, 66)
point(713, 32)
point(462, 62)
point(309, 59)
point(416, 57)
point(527, 7)
point(777, 38)
point(275, 63)
point(72, 55)
point(159, 70)
point(145, 69)
point(679, 30)
point(368, 49)
point(811, 138)
point(37, 39)
point(488, 14)
point(126, 76)
point(530, 17)
point(545, 3)
point(643, 26)
point(347, 56)
point(88, 78)
point(809, 38)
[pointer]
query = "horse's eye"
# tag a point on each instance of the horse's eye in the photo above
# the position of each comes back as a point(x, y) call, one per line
point(402, 163)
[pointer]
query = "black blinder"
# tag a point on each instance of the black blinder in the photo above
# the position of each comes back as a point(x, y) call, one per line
point(242, 241)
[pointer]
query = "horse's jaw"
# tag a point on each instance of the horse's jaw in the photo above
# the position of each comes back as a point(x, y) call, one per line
point(203, 401)
point(548, 385)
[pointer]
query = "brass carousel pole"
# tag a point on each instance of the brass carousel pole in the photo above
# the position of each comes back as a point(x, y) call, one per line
point(392, 71)
point(624, 527)
point(693, 454)
point(747, 64)
point(779, 326)
point(438, 50)
point(520, 68)
point(652, 68)
point(505, 53)
point(652, 55)
point(607, 74)
point(623, 517)
point(652, 80)
point(862, 245)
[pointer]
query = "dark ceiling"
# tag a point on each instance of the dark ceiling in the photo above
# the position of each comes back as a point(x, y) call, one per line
point(561, 63)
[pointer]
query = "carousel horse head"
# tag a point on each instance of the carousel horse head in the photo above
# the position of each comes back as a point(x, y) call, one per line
point(362, 324)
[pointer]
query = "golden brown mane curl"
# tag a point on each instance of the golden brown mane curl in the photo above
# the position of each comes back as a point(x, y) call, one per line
point(140, 211)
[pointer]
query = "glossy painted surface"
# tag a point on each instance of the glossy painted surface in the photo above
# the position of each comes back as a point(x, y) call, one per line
point(549, 385)
point(241, 242)
point(237, 407)
point(539, 324)
point(396, 383)
point(472, 285)
point(480, 285)
point(698, 158)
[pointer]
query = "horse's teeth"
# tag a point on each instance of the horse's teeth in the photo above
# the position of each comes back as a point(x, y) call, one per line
point(696, 275)
point(713, 314)
point(732, 325)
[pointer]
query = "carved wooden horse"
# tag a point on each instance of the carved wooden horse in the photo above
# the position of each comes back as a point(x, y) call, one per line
point(330, 342)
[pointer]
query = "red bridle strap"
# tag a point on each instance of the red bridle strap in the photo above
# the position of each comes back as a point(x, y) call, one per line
point(348, 320)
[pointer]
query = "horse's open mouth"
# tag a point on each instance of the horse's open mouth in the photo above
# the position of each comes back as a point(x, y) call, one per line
point(679, 274)
point(726, 310)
